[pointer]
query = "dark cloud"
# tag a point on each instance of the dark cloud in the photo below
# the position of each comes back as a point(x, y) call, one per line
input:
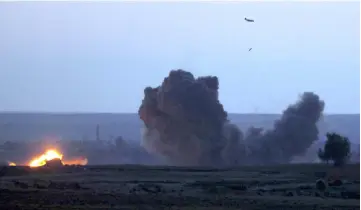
point(185, 123)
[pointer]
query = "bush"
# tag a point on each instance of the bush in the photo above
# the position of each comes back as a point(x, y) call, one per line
point(321, 185)
point(336, 149)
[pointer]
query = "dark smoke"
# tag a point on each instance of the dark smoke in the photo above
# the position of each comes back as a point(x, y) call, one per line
point(292, 135)
point(186, 124)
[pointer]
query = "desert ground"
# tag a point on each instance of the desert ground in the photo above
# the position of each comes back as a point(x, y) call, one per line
point(154, 187)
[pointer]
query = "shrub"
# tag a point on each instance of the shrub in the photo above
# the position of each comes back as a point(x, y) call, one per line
point(337, 149)
point(321, 185)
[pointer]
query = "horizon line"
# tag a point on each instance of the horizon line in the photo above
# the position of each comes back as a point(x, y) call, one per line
point(125, 113)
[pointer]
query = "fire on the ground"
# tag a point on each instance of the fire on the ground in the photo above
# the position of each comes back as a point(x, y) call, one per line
point(52, 154)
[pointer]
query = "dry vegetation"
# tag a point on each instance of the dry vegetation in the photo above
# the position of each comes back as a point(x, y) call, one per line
point(143, 187)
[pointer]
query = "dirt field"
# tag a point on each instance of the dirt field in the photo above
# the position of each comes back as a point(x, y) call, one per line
point(140, 187)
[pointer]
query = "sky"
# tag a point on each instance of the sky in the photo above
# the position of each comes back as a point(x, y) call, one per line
point(99, 56)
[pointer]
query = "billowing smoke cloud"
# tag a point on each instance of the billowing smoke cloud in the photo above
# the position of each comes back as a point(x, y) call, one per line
point(186, 124)
point(292, 134)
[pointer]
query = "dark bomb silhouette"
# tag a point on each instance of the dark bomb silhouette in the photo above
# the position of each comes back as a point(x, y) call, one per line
point(185, 123)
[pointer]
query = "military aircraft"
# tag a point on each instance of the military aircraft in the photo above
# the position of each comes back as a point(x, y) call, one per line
point(249, 20)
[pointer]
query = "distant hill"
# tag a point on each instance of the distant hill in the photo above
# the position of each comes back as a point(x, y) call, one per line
point(33, 126)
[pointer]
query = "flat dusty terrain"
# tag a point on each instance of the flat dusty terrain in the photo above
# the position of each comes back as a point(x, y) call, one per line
point(140, 187)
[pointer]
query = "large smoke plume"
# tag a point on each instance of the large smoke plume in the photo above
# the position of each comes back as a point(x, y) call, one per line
point(186, 124)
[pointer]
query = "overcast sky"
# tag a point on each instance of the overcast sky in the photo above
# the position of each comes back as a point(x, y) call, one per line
point(99, 57)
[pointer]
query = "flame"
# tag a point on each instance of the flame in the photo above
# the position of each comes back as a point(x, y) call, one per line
point(47, 156)
point(52, 154)
point(82, 162)
point(12, 164)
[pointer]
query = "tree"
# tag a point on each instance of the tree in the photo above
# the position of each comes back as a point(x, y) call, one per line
point(337, 148)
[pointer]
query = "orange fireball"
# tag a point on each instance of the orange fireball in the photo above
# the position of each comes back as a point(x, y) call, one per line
point(47, 156)
point(52, 154)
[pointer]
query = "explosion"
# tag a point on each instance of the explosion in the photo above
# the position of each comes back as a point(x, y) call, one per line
point(47, 156)
point(52, 154)
point(185, 122)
